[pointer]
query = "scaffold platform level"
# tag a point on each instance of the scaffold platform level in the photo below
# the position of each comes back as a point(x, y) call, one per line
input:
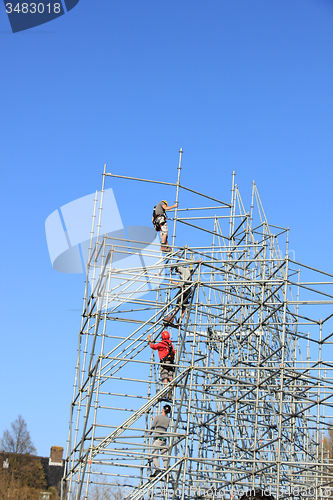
point(252, 387)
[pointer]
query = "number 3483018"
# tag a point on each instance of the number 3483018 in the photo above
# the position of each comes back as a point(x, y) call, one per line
point(33, 8)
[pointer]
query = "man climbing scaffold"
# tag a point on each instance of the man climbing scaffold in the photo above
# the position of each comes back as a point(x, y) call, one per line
point(166, 353)
point(160, 426)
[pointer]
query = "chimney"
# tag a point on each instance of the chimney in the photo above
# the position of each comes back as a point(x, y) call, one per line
point(56, 455)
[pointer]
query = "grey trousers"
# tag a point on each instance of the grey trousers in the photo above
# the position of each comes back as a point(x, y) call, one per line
point(159, 445)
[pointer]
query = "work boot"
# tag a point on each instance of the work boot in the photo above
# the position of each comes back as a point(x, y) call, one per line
point(168, 319)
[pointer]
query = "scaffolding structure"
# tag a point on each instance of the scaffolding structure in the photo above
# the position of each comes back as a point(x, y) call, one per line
point(252, 387)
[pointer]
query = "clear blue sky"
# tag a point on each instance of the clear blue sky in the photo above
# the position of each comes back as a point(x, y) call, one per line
point(239, 85)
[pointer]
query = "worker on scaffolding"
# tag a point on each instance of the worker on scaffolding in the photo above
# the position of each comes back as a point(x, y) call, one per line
point(166, 353)
point(160, 222)
point(160, 426)
point(184, 293)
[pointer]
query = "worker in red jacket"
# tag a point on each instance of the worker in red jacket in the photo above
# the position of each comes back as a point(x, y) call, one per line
point(166, 354)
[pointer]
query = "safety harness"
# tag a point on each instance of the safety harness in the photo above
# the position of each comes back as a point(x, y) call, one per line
point(169, 358)
point(157, 224)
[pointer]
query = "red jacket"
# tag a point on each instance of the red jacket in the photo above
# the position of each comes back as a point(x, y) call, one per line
point(162, 348)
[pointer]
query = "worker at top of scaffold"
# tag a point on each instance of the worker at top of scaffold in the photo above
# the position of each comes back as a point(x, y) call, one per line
point(160, 222)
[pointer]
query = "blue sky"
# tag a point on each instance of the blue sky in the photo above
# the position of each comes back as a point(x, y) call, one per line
point(239, 85)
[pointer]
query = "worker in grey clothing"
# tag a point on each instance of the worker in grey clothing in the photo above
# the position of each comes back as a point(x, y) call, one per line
point(184, 293)
point(160, 426)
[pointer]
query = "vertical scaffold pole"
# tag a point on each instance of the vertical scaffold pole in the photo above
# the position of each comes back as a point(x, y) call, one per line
point(177, 196)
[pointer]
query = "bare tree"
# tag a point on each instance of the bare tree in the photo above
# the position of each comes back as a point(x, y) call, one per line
point(328, 458)
point(105, 491)
point(17, 440)
point(328, 441)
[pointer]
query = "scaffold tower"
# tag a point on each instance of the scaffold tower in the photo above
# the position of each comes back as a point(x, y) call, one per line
point(251, 394)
